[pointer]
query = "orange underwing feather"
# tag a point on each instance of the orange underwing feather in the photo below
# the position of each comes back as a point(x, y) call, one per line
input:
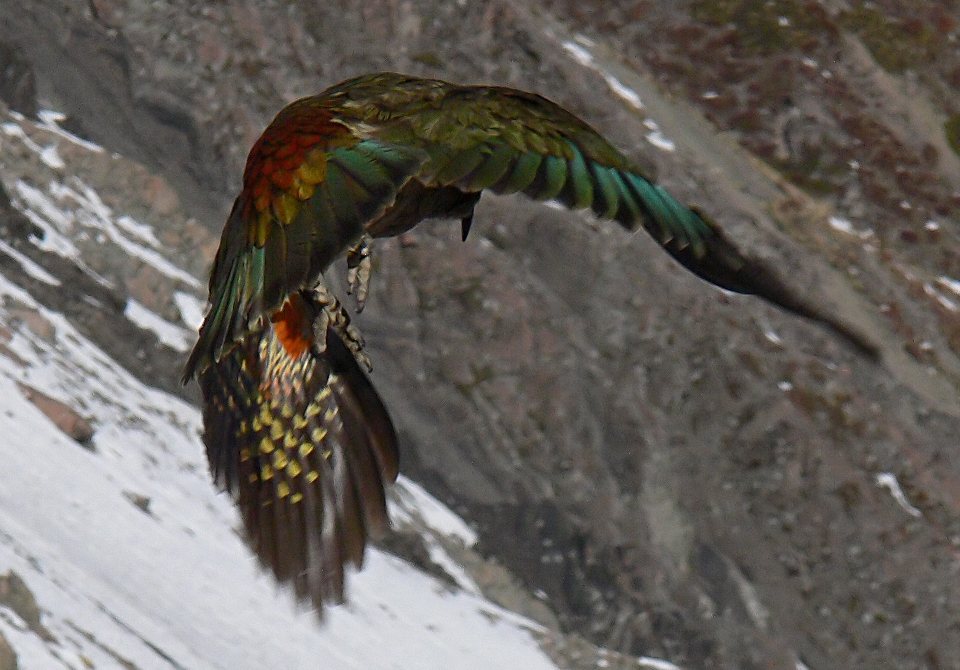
point(294, 326)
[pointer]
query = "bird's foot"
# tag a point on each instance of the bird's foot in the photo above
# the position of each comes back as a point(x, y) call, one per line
point(359, 268)
point(334, 315)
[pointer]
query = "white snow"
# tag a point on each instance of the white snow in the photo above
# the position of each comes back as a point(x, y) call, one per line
point(176, 587)
point(656, 664)
point(842, 225)
point(31, 268)
point(92, 213)
point(657, 139)
point(889, 481)
point(579, 54)
point(73, 210)
point(51, 158)
point(49, 120)
point(48, 154)
point(191, 309)
point(137, 230)
point(772, 336)
point(415, 500)
point(948, 283)
point(623, 91)
point(49, 219)
point(947, 303)
point(168, 333)
point(944, 301)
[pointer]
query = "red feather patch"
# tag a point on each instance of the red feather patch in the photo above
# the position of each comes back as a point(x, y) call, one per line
point(293, 324)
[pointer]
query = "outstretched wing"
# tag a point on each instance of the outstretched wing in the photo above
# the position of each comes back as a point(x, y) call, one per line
point(509, 141)
point(305, 446)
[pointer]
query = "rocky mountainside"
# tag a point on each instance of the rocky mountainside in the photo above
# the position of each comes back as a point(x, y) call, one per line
point(676, 471)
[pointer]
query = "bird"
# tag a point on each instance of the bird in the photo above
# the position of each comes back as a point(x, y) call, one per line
point(293, 427)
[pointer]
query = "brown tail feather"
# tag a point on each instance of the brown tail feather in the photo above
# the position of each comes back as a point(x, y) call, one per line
point(305, 446)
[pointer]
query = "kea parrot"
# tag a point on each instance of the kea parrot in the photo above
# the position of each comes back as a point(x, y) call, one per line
point(293, 428)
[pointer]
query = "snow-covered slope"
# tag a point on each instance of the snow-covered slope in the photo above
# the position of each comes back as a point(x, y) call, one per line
point(174, 586)
point(133, 558)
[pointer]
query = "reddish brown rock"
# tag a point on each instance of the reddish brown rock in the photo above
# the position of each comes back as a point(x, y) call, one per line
point(36, 322)
point(161, 197)
point(15, 594)
point(64, 417)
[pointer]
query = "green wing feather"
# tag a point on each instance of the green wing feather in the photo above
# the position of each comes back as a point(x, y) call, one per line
point(480, 137)
point(476, 138)
point(249, 280)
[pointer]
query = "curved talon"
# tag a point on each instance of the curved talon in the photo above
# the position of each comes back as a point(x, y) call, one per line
point(334, 315)
point(359, 269)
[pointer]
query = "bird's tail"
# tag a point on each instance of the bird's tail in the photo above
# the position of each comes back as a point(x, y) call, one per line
point(301, 439)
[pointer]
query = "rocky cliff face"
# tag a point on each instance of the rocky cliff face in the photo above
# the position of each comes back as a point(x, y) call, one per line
point(677, 471)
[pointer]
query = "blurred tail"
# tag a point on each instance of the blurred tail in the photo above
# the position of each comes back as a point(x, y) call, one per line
point(302, 441)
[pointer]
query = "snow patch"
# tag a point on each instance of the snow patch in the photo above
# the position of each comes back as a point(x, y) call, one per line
point(889, 481)
point(48, 218)
point(93, 213)
point(413, 499)
point(168, 333)
point(70, 208)
point(844, 226)
point(658, 140)
point(656, 664)
point(623, 91)
point(948, 283)
point(944, 301)
point(50, 119)
point(50, 158)
point(191, 309)
point(32, 269)
point(579, 54)
point(177, 587)
point(140, 231)
point(48, 154)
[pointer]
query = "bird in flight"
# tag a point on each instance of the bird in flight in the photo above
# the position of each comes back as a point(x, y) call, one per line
point(293, 428)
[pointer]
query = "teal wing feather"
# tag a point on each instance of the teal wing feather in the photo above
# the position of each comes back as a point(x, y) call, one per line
point(477, 138)
point(509, 141)
point(267, 253)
